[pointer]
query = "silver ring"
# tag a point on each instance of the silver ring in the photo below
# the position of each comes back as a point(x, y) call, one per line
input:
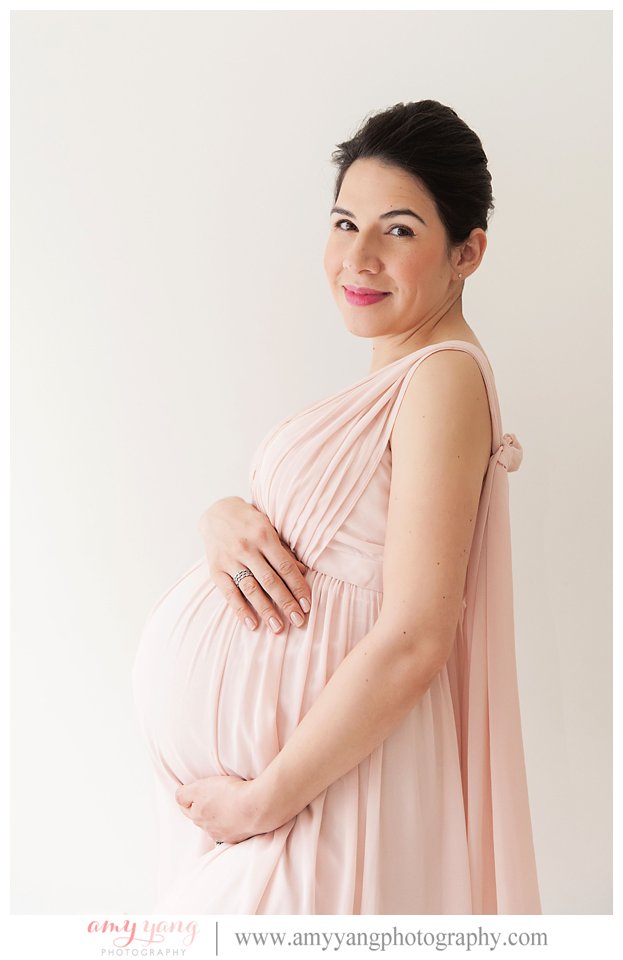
point(239, 576)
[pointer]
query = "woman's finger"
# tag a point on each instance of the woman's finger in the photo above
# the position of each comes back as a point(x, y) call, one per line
point(291, 570)
point(259, 590)
point(267, 589)
point(235, 598)
point(299, 563)
point(248, 600)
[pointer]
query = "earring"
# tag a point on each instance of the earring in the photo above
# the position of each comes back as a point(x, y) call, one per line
point(460, 276)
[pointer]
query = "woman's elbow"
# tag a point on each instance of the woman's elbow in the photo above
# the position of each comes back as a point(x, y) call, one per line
point(425, 650)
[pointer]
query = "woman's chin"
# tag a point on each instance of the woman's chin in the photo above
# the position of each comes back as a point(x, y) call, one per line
point(367, 331)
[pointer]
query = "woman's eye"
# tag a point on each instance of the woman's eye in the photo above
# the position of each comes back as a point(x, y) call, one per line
point(408, 232)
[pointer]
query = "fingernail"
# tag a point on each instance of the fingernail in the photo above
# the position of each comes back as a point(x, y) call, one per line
point(305, 606)
point(274, 624)
point(249, 623)
point(296, 618)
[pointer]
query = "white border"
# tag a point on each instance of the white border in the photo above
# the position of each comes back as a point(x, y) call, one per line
point(66, 937)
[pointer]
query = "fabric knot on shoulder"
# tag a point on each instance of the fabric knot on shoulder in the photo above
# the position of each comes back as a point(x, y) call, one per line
point(510, 452)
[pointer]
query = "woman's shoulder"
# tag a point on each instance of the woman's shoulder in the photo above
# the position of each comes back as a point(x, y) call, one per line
point(448, 391)
point(469, 339)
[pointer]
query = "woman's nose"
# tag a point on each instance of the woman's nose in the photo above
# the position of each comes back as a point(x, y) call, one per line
point(360, 255)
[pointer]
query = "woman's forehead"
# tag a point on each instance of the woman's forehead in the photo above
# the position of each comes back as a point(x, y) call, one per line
point(369, 184)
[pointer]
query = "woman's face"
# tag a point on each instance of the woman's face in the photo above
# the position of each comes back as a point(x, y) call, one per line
point(402, 255)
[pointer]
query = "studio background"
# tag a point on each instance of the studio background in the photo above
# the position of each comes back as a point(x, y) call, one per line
point(170, 188)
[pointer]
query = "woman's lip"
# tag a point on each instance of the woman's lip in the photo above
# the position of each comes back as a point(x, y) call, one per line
point(364, 291)
point(363, 299)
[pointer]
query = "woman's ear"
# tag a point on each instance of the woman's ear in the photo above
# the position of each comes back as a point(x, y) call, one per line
point(469, 253)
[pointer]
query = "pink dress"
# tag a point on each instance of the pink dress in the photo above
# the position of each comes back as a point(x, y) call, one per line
point(436, 820)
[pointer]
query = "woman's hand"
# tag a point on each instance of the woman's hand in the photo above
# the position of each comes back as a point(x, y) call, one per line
point(237, 536)
point(224, 806)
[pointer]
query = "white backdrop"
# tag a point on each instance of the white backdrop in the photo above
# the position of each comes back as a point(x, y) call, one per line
point(170, 190)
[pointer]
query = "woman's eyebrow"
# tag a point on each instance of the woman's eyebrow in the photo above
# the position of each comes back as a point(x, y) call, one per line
point(403, 212)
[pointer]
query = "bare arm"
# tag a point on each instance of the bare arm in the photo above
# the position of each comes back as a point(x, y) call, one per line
point(441, 444)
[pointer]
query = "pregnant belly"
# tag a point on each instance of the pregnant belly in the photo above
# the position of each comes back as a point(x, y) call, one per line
point(216, 698)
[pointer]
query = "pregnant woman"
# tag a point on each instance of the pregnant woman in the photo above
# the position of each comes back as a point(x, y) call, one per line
point(369, 760)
